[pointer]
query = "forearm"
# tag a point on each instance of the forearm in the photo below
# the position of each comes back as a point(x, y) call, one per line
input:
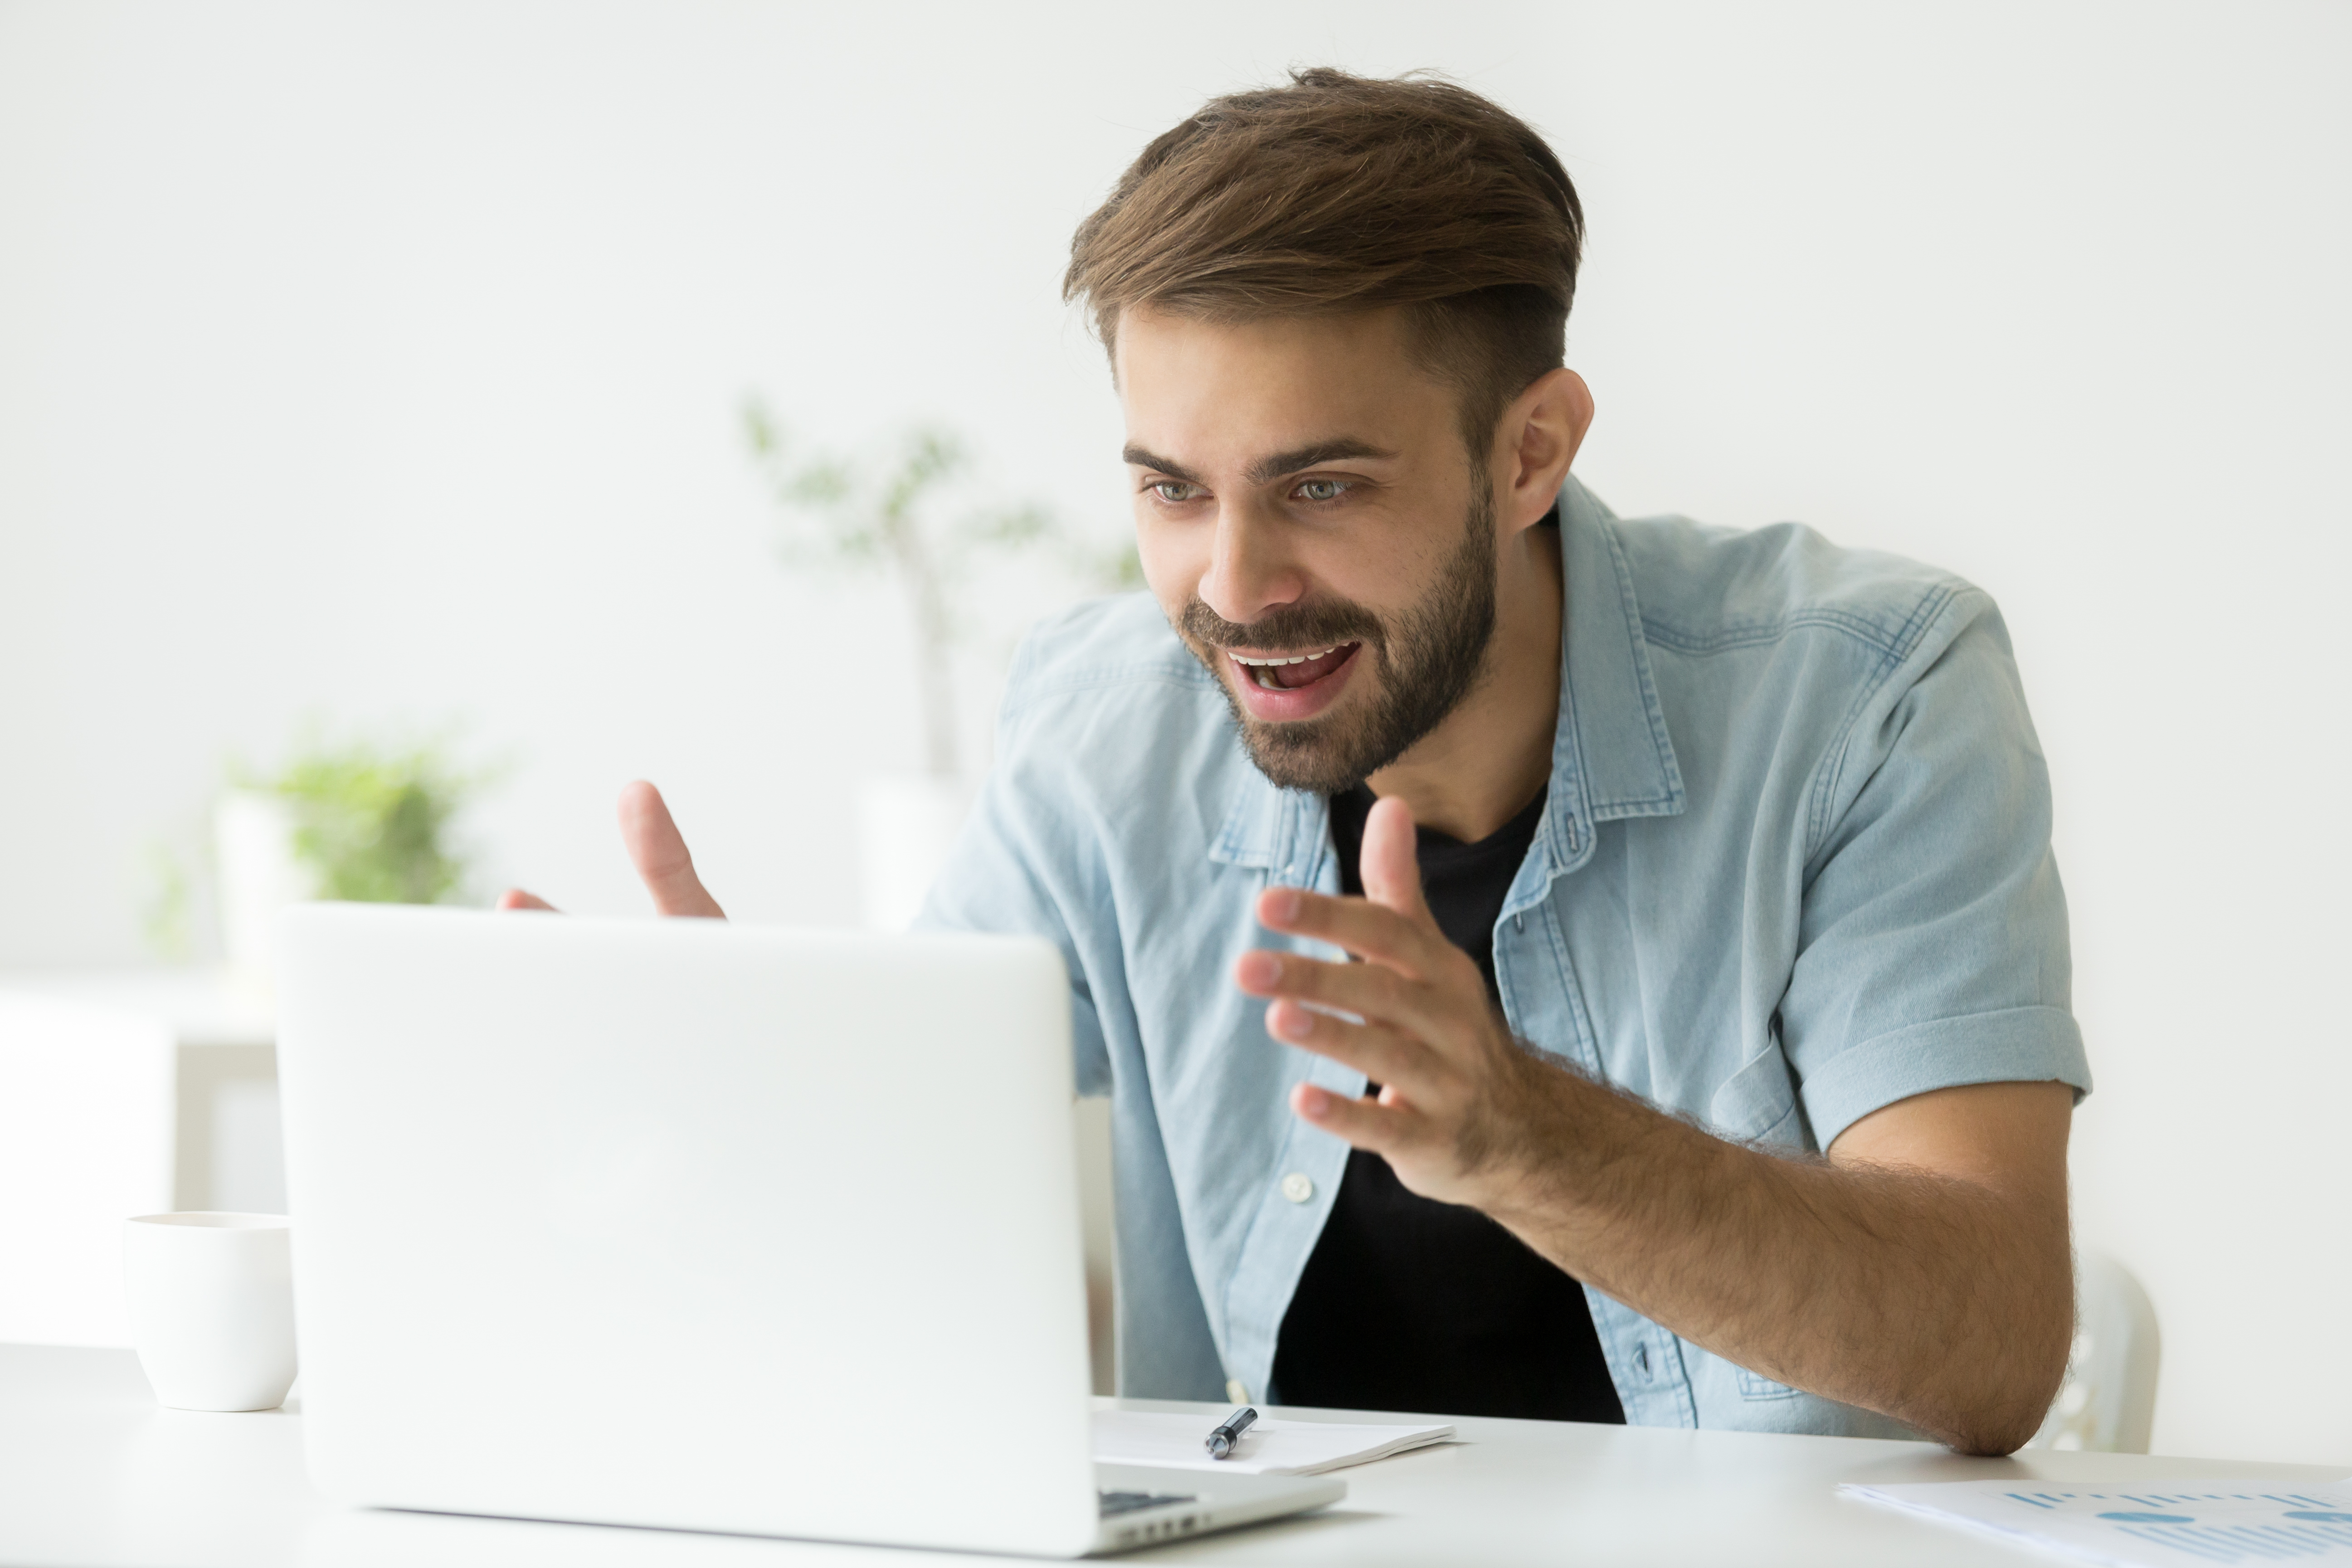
point(1943, 1302)
point(1921, 1270)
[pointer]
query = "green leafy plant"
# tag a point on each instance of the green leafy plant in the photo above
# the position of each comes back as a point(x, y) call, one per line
point(363, 821)
point(894, 515)
point(373, 824)
point(372, 820)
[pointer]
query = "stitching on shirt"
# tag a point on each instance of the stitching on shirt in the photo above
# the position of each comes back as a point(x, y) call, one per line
point(1685, 1396)
point(1831, 769)
point(1581, 804)
point(1652, 709)
point(1617, 805)
point(1588, 1045)
point(1243, 839)
point(1232, 848)
point(1507, 996)
point(1831, 772)
point(1752, 1386)
point(1767, 1136)
point(1749, 633)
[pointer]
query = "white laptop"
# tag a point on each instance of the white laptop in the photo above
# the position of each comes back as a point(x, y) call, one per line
point(698, 1225)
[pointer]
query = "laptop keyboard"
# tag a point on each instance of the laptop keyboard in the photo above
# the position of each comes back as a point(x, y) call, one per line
point(1115, 1504)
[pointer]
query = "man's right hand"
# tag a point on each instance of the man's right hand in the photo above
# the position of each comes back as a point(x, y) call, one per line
point(658, 850)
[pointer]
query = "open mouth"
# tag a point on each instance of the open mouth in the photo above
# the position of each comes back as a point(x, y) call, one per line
point(1290, 671)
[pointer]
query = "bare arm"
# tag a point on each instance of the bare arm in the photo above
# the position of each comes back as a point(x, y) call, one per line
point(1927, 1278)
point(1920, 1269)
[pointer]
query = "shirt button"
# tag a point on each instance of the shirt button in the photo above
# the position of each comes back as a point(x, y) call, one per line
point(1296, 1187)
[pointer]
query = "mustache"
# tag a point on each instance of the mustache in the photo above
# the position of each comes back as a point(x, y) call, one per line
point(1322, 623)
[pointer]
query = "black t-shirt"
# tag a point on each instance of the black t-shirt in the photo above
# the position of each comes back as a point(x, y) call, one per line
point(1411, 1304)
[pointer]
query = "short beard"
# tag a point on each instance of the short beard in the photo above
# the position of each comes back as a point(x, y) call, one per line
point(1431, 657)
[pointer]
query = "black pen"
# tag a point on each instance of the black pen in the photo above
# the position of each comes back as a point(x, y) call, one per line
point(1228, 1435)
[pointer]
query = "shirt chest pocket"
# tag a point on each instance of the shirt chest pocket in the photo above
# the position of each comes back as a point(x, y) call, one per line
point(1752, 1386)
point(1758, 1103)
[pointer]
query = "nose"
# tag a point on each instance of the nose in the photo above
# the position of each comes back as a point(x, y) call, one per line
point(1251, 570)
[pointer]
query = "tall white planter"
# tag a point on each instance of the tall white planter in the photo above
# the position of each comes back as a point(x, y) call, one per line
point(253, 840)
point(905, 825)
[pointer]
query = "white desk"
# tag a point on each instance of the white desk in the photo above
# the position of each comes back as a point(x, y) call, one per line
point(94, 1472)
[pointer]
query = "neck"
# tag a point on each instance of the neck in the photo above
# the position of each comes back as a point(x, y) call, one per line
point(1492, 755)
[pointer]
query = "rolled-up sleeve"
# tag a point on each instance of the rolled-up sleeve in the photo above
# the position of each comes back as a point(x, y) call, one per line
point(1933, 945)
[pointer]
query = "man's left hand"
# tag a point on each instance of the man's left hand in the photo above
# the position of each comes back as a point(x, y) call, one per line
point(1465, 1111)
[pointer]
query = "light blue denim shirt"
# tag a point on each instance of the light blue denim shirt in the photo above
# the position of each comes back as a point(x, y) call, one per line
point(1795, 865)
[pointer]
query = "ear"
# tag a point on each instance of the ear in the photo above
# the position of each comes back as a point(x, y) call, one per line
point(1535, 443)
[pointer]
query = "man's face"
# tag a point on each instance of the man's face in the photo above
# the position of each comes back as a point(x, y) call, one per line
point(1313, 529)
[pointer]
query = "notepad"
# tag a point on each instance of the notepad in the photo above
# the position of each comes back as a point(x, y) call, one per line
point(2241, 1519)
point(1270, 1448)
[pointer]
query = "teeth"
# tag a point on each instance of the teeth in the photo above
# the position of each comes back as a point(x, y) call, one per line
point(1296, 658)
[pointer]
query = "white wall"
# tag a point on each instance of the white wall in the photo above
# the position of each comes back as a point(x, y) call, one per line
point(382, 364)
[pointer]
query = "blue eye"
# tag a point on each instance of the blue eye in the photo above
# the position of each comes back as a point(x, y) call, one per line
point(1321, 489)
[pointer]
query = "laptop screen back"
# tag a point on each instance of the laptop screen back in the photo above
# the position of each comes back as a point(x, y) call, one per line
point(687, 1224)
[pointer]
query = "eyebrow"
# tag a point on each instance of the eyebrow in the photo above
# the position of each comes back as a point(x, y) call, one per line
point(1265, 469)
point(1135, 456)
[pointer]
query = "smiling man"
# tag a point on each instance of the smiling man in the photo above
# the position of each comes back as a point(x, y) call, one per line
point(1543, 964)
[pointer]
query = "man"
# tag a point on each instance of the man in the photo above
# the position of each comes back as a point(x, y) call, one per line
point(1542, 964)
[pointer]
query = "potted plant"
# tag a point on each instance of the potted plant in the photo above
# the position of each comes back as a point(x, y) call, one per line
point(889, 516)
point(355, 821)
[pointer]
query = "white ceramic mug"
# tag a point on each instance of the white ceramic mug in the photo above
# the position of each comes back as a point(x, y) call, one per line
point(212, 1307)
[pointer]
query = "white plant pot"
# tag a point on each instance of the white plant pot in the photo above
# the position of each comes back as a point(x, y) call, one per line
point(253, 839)
point(905, 825)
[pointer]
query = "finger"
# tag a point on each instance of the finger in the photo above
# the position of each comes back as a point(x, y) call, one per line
point(1365, 1123)
point(516, 898)
point(1386, 863)
point(658, 850)
point(1381, 996)
point(1370, 931)
point(1379, 1053)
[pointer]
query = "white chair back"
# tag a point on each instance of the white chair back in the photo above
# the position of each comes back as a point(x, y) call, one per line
point(2107, 1403)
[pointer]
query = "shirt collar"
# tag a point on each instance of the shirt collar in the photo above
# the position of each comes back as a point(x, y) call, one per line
point(1610, 757)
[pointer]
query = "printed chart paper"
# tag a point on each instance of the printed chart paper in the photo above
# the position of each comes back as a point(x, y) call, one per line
point(2175, 1525)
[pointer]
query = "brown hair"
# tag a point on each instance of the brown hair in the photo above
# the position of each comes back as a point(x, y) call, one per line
point(1343, 192)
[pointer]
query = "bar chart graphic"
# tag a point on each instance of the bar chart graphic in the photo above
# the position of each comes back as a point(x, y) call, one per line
point(2235, 1521)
